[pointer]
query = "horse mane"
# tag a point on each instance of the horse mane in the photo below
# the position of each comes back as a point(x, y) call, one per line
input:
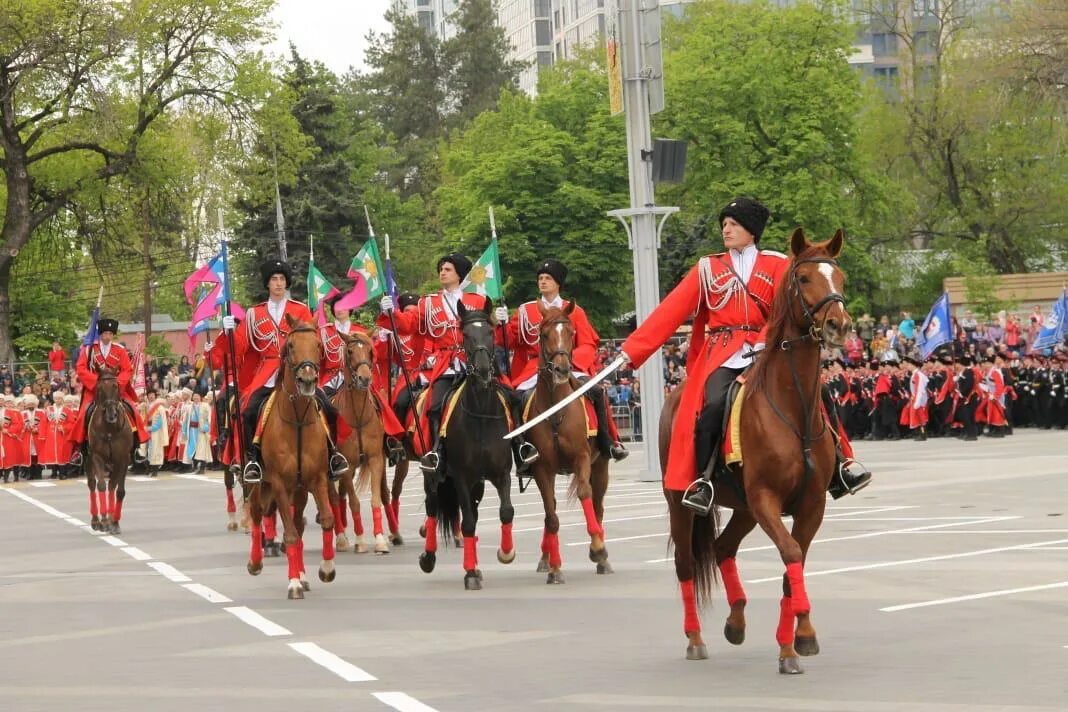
point(779, 320)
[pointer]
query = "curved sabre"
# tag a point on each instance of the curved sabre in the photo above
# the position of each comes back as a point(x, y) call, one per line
point(556, 408)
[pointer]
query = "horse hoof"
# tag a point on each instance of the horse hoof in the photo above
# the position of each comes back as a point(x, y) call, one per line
point(427, 560)
point(422, 530)
point(255, 569)
point(555, 577)
point(806, 645)
point(360, 548)
point(790, 666)
point(396, 539)
point(543, 566)
point(327, 576)
point(472, 581)
point(381, 547)
point(603, 567)
point(296, 593)
point(458, 542)
point(231, 526)
point(305, 585)
point(115, 528)
point(478, 573)
point(506, 558)
point(734, 636)
point(341, 543)
point(697, 652)
point(599, 555)
point(95, 524)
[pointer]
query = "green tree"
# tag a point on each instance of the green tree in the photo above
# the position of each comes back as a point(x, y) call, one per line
point(477, 61)
point(82, 83)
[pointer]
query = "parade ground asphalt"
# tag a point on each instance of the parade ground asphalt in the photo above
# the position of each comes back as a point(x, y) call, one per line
point(943, 586)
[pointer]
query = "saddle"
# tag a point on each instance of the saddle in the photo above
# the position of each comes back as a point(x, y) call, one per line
point(453, 398)
point(724, 456)
point(590, 416)
point(265, 411)
point(131, 418)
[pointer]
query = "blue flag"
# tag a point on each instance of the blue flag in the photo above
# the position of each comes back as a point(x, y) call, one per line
point(92, 334)
point(937, 328)
point(1053, 328)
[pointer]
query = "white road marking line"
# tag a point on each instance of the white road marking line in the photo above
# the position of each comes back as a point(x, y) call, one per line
point(169, 571)
point(113, 540)
point(622, 538)
point(583, 523)
point(208, 594)
point(974, 597)
point(254, 619)
point(136, 553)
point(202, 478)
point(999, 531)
point(38, 503)
point(1049, 548)
point(142, 478)
point(42, 484)
point(76, 522)
point(342, 668)
point(491, 498)
point(866, 535)
point(406, 703)
point(925, 559)
point(565, 511)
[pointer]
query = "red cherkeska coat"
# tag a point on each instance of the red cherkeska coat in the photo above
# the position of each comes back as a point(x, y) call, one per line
point(90, 362)
point(334, 350)
point(992, 406)
point(726, 315)
point(258, 345)
point(410, 357)
point(523, 340)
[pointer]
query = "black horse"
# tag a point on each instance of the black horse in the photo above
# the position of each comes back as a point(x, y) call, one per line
point(475, 451)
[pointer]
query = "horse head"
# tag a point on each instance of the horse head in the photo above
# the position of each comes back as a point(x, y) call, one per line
point(556, 341)
point(817, 284)
point(478, 342)
point(107, 396)
point(302, 355)
point(359, 359)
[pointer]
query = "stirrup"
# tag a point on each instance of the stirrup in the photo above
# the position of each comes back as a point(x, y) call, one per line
point(527, 453)
point(252, 474)
point(617, 452)
point(395, 450)
point(138, 458)
point(338, 465)
point(691, 497)
point(430, 462)
point(76, 459)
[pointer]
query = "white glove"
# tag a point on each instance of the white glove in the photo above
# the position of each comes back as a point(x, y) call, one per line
point(208, 345)
point(384, 334)
point(502, 314)
point(626, 359)
point(759, 346)
point(229, 323)
point(386, 304)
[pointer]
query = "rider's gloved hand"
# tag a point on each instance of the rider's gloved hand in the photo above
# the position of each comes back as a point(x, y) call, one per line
point(502, 314)
point(229, 323)
point(386, 304)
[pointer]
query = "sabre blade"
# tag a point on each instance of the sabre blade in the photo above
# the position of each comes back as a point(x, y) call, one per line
point(604, 373)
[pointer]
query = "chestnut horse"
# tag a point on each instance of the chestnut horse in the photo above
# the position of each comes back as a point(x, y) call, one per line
point(789, 458)
point(365, 446)
point(475, 451)
point(564, 445)
point(294, 448)
point(111, 441)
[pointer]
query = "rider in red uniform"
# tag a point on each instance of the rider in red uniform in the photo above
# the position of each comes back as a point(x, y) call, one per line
point(523, 339)
point(729, 296)
point(107, 353)
point(258, 347)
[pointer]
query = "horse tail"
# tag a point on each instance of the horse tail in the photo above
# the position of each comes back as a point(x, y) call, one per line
point(362, 484)
point(703, 544)
point(448, 509)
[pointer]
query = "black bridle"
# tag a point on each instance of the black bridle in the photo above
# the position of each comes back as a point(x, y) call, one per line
point(352, 368)
point(549, 357)
point(295, 368)
point(485, 376)
point(112, 406)
point(814, 329)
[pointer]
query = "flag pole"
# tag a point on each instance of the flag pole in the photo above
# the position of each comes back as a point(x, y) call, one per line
point(231, 355)
point(396, 339)
point(500, 281)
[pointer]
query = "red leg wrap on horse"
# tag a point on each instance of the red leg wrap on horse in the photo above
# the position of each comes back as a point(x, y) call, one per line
point(335, 507)
point(798, 594)
point(92, 504)
point(691, 622)
point(231, 506)
point(545, 542)
point(343, 510)
point(357, 523)
point(506, 538)
point(554, 551)
point(293, 556)
point(257, 544)
point(270, 527)
point(376, 519)
point(431, 534)
point(395, 506)
point(470, 553)
point(116, 510)
point(728, 569)
point(300, 554)
point(593, 527)
point(391, 518)
point(784, 633)
point(328, 544)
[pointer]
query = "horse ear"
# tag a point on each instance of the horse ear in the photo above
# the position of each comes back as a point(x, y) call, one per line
point(569, 308)
point(541, 308)
point(834, 246)
point(798, 242)
point(291, 321)
point(461, 310)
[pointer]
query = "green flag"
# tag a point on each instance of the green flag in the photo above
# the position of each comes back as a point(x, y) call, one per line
point(319, 287)
point(366, 269)
point(485, 276)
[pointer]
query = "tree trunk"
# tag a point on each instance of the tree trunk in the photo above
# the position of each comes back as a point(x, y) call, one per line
point(18, 223)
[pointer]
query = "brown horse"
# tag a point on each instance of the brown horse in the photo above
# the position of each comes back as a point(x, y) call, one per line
point(294, 449)
point(564, 445)
point(789, 458)
point(111, 441)
point(365, 446)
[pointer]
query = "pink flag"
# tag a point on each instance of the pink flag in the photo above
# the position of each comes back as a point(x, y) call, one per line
point(202, 275)
point(207, 306)
point(355, 298)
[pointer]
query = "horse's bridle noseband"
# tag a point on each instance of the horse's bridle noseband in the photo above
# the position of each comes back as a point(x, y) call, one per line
point(549, 356)
point(295, 368)
point(811, 311)
point(470, 319)
point(353, 367)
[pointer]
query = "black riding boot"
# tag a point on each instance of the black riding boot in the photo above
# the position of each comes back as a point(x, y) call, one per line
point(338, 465)
point(849, 477)
point(523, 451)
point(430, 463)
point(608, 447)
point(395, 450)
point(253, 472)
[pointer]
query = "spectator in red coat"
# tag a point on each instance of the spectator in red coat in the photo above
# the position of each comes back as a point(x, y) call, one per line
point(57, 358)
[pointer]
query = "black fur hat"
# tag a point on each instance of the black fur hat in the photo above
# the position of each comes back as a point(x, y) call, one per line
point(555, 269)
point(111, 325)
point(749, 213)
point(461, 263)
point(407, 299)
point(272, 267)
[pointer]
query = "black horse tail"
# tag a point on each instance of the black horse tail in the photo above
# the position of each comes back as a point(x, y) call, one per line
point(703, 542)
point(448, 510)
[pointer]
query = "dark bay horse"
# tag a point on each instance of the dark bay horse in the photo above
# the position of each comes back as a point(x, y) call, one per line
point(789, 458)
point(475, 451)
point(294, 449)
point(564, 445)
point(365, 447)
point(111, 440)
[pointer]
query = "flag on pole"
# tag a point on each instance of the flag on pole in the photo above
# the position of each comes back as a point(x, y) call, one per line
point(485, 276)
point(139, 364)
point(92, 334)
point(937, 328)
point(1054, 328)
point(319, 290)
point(366, 269)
